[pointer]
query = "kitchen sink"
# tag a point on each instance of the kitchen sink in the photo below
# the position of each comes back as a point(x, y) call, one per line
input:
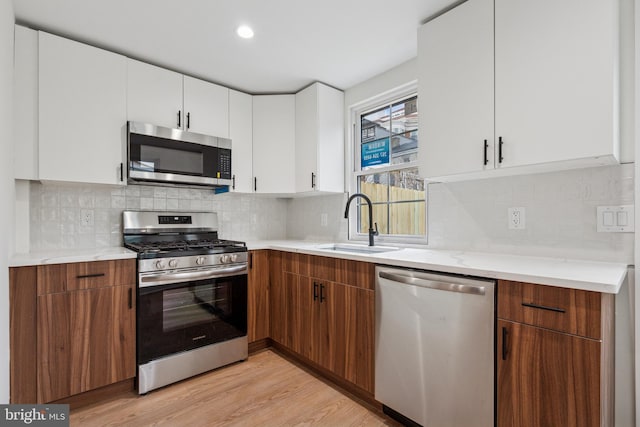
point(361, 249)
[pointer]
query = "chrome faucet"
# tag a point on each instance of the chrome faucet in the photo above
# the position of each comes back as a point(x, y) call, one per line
point(372, 231)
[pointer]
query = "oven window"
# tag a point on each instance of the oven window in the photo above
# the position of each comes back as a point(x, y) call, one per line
point(195, 305)
point(168, 160)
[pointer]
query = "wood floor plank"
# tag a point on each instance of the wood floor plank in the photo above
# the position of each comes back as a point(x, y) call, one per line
point(266, 390)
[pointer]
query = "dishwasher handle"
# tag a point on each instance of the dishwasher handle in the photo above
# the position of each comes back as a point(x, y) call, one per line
point(432, 284)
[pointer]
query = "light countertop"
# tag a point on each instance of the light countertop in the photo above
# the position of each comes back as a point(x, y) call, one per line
point(63, 256)
point(605, 277)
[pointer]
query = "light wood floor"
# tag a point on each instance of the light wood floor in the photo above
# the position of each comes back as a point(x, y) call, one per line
point(266, 390)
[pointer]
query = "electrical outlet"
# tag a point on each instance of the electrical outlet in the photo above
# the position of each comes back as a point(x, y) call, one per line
point(516, 218)
point(324, 219)
point(86, 217)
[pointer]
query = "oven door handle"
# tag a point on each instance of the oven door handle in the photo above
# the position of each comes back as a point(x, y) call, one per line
point(147, 280)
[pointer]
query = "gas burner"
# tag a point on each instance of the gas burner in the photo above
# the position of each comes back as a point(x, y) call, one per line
point(155, 235)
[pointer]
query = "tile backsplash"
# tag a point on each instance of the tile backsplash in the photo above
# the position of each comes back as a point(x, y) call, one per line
point(560, 214)
point(65, 216)
point(471, 215)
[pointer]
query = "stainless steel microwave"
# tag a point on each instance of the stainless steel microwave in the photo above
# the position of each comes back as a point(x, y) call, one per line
point(172, 156)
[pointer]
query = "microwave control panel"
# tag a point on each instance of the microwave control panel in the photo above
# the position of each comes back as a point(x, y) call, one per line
point(224, 163)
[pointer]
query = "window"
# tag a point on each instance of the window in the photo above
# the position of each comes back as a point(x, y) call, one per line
point(385, 169)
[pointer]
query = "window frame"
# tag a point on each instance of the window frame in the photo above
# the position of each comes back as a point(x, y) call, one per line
point(354, 172)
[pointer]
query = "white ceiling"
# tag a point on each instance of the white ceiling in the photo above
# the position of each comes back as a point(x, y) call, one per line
point(338, 42)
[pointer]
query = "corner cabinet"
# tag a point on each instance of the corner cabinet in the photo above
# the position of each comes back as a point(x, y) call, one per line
point(554, 356)
point(323, 310)
point(319, 137)
point(79, 321)
point(82, 112)
point(508, 63)
point(241, 134)
point(274, 157)
point(166, 98)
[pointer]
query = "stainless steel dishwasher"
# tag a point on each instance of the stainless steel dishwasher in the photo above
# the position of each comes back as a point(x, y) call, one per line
point(434, 355)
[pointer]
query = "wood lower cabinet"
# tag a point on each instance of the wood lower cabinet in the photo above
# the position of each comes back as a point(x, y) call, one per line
point(329, 322)
point(84, 330)
point(258, 296)
point(554, 357)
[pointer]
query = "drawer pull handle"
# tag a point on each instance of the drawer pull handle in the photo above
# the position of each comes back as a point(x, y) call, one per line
point(89, 276)
point(543, 307)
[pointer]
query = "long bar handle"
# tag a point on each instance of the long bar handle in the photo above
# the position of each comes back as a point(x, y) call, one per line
point(486, 147)
point(543, 307)
point(505, 335)
point(89, 276)
point(431, 284)
point(168, 278)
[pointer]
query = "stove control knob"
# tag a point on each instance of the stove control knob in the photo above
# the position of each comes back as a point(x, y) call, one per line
point(159, 264)
point(225, 259)
point(173, 263)
point(200, 260)
point(234, 257)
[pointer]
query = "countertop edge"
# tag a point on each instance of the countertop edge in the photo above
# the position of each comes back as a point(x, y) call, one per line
point(604, 277)
point(70, 256)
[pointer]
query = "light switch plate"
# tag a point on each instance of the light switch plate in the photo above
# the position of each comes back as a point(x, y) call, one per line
point(615, 219)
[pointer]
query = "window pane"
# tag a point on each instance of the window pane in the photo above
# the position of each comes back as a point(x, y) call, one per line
point(406, 184)
point(375, 125)
point(374, 186)
point(407, 218)
point(380, 216)
point(404, 125)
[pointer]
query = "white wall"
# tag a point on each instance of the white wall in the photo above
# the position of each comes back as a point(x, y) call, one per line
point(6, 185)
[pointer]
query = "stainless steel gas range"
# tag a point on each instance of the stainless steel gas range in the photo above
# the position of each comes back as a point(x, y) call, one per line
point(192, 295)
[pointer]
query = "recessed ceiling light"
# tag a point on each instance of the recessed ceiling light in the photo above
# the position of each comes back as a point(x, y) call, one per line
point(244, 31)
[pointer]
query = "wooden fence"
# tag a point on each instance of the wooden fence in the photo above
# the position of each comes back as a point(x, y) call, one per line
point(407, 218)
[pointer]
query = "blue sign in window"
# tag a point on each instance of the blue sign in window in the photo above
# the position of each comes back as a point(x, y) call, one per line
point(375, 153)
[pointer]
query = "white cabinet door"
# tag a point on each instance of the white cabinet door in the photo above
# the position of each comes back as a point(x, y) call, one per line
point(455, 90)
point(306, 128)
point(25, 104)
point(556, 80)
point(82, 112)
point(206, 107)
point(274, 143)
point(154, 95)
point(330, 172)
point(241, 134)
point(319, 139)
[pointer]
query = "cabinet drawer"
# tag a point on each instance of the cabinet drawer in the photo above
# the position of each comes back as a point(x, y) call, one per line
point(85, 275)
point(565, 310)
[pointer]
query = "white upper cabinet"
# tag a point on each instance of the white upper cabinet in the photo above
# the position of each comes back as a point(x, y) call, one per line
point(274, 143)
point(166, 98)
point(206, 106)
point(25, 104)
point(556, 80)
point(154, 95)
point(319, 135)
point(456, 90)
point(82, 112)
point(241, 134)
point(548, 103)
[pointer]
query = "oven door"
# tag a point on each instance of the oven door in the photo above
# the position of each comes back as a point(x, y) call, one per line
point(179, 311)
